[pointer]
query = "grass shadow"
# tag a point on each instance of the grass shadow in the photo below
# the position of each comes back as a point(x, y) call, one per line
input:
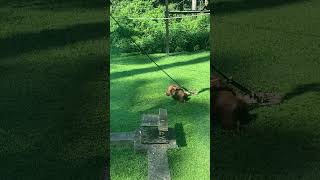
point(53, 4)
point(134, 58)
point(126, 120)
point(121, 74)
point(140, 58)
point(301, 89)
point(266, 152)
point(34, 41)
point(272, 29)
point(54, 118)
point(85, 167)
point(180, 135)
point(227, 7)
point(245, 122)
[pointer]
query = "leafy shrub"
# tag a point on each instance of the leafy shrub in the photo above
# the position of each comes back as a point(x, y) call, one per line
point(187, 34)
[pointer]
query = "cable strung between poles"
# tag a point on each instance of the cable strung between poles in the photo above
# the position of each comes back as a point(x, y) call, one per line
point(145, 53)
point(178, 17)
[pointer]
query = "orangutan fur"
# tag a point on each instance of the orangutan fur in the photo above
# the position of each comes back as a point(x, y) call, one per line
point(227, 107)
point(177, 93)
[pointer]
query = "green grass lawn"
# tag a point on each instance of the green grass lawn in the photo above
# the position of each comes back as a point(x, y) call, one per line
point(138, 87)
point(271, 46)
point(53, 119)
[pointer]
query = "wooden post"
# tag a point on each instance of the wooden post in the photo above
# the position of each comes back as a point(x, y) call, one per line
point(167, 26)
point(194, 5)
point(206, 5)
point(206, 2)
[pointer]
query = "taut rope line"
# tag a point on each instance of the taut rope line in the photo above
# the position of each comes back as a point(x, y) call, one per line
point(145, 53)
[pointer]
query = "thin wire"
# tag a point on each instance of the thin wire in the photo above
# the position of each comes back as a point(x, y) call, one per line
point(179, 17)
point(140, 49)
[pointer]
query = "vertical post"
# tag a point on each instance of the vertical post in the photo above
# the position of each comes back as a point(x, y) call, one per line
point(206, 2)
point(194, 5)
point(167, 26)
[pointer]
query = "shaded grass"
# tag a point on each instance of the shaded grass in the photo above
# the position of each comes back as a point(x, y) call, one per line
point(274, 48)
point(135, 91)
point(53, 118)
point(233, 6)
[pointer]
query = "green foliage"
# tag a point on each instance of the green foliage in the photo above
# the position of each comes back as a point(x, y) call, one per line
point(188, 34)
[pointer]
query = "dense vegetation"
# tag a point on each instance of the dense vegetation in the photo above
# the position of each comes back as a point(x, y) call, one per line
point(187, 34)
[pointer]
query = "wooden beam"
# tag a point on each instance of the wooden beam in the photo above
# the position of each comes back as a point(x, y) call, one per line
point(194, 5)
point(188, 12)
point(122, 138)
point(167, 26)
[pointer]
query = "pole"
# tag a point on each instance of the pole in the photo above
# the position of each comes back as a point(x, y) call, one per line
point(206, 5)
point(167, 26)
point(194, 5)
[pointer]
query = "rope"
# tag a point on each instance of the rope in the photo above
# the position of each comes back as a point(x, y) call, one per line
point(236, 84)
point(145, 53)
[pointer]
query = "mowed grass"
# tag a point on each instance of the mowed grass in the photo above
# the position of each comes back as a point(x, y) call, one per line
point(53, 119)
point(137, 87)
point(271, 46)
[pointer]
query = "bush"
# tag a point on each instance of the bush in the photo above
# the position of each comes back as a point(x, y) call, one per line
point(187, 34)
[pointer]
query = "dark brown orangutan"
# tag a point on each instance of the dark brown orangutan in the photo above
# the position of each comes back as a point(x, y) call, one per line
point(227, 107)
point(177, 93)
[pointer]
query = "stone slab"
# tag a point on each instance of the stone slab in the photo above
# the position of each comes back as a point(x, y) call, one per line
point(158, 165)
point(122, 137)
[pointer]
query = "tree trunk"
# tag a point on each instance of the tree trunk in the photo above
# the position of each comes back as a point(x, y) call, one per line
point(167, 26)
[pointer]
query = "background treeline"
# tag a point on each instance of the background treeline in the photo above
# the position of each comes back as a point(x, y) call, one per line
point(187, 34)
